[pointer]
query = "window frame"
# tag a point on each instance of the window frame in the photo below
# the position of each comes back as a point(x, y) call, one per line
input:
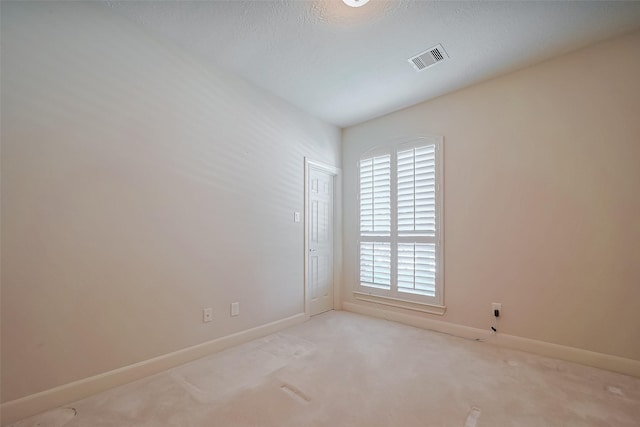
point(393, 296)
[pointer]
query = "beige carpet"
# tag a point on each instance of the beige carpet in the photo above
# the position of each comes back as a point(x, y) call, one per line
point(342, 369)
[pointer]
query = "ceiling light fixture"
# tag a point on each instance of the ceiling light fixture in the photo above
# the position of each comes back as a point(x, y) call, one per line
point(355, 3)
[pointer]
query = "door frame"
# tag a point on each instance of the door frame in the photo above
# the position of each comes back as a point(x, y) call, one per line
point(337, 231)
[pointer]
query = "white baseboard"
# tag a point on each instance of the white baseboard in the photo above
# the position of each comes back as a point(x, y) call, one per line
point(33, 404)
point(571, 354)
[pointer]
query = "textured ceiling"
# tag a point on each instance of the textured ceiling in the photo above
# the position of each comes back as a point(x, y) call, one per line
point(347, 65)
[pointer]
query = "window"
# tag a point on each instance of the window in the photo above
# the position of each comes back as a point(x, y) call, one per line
point(400, 247)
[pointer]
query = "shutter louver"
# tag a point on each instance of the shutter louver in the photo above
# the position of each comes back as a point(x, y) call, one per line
point(417, 268)
point(417, 191)
point(375, 196)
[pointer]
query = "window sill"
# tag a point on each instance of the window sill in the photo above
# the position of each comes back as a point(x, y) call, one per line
point(401, 303)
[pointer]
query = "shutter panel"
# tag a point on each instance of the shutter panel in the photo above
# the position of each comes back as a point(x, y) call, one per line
point(375, 196)
point(417, 268)
point(417, 191)
point(399, 223)
point(375, 264)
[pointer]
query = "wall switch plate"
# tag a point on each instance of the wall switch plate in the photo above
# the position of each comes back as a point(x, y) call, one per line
point(296, 217)
point(207, 315)
point(235, 308)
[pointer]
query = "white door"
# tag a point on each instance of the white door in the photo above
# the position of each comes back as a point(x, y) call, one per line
point(320, 241)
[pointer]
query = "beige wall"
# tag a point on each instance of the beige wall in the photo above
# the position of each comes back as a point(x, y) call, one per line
point(542, 198)
point(137, 188)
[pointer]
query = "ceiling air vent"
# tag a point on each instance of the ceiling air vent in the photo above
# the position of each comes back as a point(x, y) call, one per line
point(429, 57)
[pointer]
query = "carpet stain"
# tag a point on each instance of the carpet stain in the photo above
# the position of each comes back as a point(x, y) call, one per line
point(56, 418)
point(295, 393)
point(222, 375)
point(614, 390)
point(472, 418)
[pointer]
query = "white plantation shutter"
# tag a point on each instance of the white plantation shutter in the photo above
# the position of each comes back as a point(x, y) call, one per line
point(375, 195)
point(417, 268)
point(400, 246)
point(375, 220)
point(416, 213)
point(375, 264)
point(417, 191)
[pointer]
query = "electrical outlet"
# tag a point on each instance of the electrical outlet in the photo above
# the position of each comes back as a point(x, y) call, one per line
point(207, 315)
point(296, 217)
point(235, 308)
point(496, 306)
